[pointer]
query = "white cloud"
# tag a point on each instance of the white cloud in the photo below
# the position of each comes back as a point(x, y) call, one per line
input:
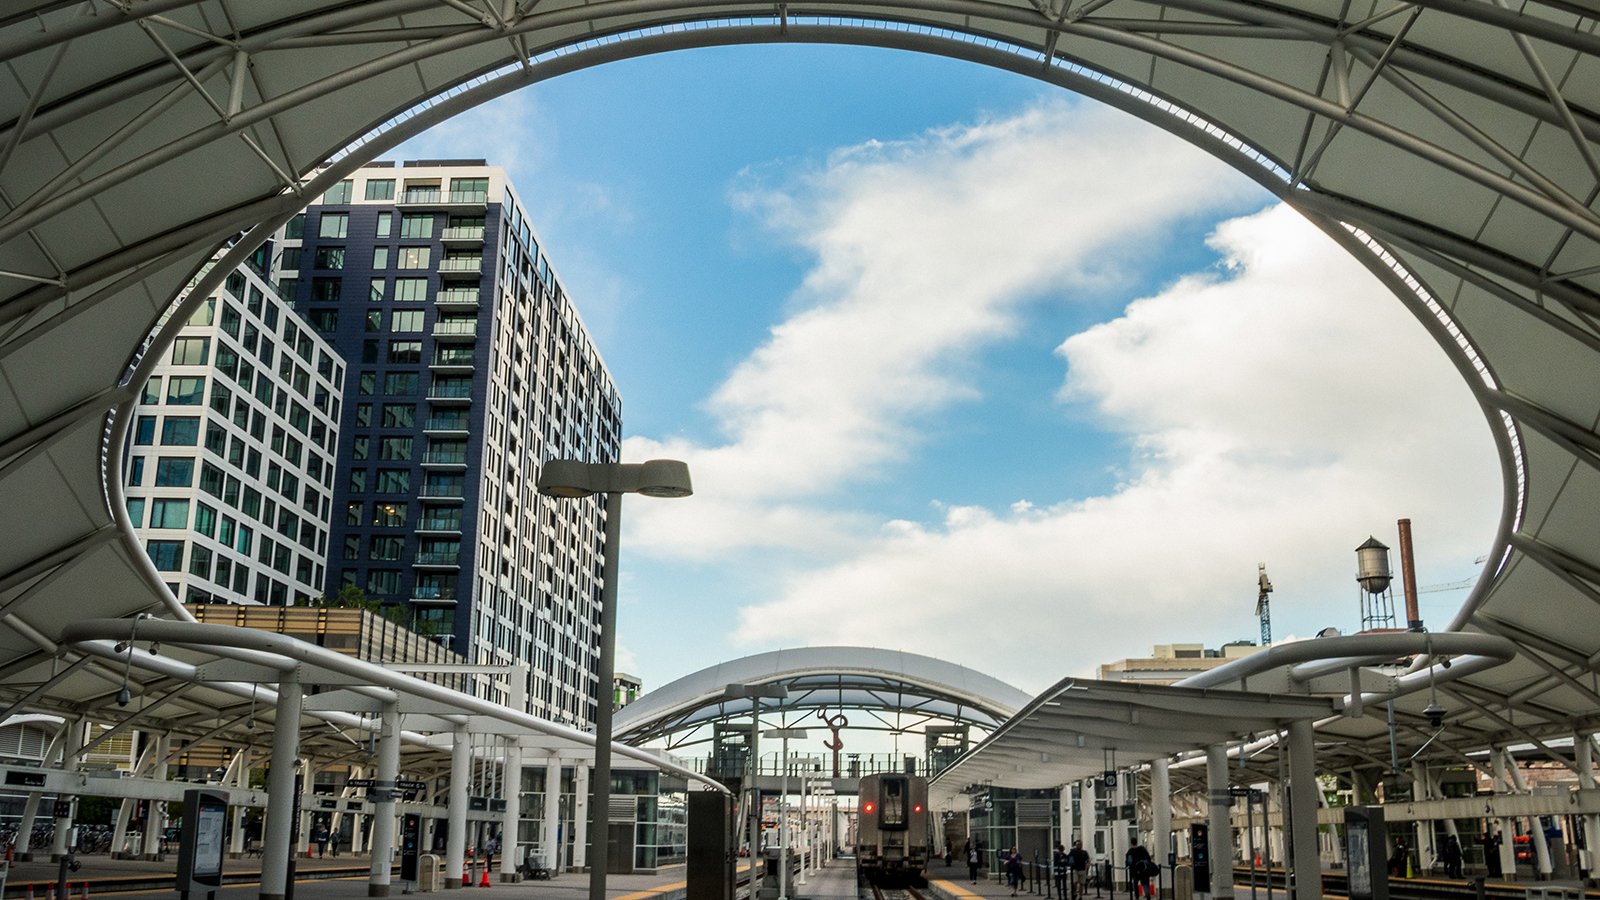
point(925, 252)
point(1278, 413)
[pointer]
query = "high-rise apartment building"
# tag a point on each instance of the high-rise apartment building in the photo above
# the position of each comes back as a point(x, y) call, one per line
point(469, 369)
point(230, 461)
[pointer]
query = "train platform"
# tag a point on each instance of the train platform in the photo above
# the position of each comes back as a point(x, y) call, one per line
point(330, 878)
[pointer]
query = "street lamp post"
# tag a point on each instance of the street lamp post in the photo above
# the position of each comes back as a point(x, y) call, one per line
point(783, 809)
point(571, 479)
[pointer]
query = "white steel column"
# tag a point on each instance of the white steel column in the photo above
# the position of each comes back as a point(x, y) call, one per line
point(580, 816)
point(1086, 814)
point(280, 789)
point(1221, 825)
point(511, 790)
point(1160, 811)
point(1304, 797)
point(383, 792)
point(1508, 849)
point(1117, 841)
point(241, 783)
point(455, 841)
point(73, 729)
point(552, 814)
point(1541, 845)
point(1583, 746)
point(1427, 853)
point(155, 822)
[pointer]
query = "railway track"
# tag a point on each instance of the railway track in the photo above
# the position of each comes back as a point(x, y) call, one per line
point(1334, 885)
point(875, 892)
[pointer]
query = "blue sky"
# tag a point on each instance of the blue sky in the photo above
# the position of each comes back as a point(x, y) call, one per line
point(968, 366)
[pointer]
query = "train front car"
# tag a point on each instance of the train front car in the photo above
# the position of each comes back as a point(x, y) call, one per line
point(893, 833)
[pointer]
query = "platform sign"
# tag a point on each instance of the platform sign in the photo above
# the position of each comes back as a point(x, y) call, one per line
point(1364, 853)
point(200, 843)
point(410, 845)
point(1200, 856)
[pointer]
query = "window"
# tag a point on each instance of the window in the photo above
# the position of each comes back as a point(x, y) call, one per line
point(144, 431)
point(411, 290)
point(405, 352)
point(380, 257)
point(250, 504)
point(375, 291)
point(405, 321)
point(224, 569)
point(246, 537)
point(363, 415)
point(386, 548)
point(352, 546)
point(167, 555)
point(385, 224)
point(152, 391)
point(469, 190)
point(185, 391)
point(325, 290)
point(290, 258)
point(211, 479)
point(380, 188)
point(230, 491)
point(399, 415)
point(359, 446)
point(136, 511)
point(205, 519)
point(395, 448)
point(400, 384)
point(324, 320)
point(393, 481)
point(369, 383)
point(165, 513)
point(295, 229)
point(180, 431)
point(389, 515)
point(216, 438)
point(330, 258)
point(221, 399)
point(413, 258)
point(174, 471)
point(416, 225)
point(383, 581)
point(334, 225)
point(200, 562)
point(191, 351)
point(374, 320)
point(358, 481)
point(230, 320)
point(338, 195)
point(135, 471)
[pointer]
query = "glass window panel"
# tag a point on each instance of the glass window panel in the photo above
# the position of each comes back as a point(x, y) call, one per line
point(334, 225)
point(180, 431)
point(380, 188)
point(175, 471)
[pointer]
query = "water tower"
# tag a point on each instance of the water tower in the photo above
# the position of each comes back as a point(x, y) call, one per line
point(1375, 576)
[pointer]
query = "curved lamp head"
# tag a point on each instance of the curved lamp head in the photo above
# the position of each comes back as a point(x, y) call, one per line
point(570, 478)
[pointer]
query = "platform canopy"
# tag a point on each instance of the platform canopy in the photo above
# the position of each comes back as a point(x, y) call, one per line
point(1080, 728)
point(901, 690)
point(1451, 145)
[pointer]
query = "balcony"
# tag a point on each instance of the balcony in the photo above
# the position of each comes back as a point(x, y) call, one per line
point(471, 265)
point(432, 196)
point(443, 491)
point(440, 525)
point(445, 458)
point(453, 329)
point(459, 298)
point(438, 559)
point(463, 234)
point(447, 425)
point(451, 392)
point(433, 593)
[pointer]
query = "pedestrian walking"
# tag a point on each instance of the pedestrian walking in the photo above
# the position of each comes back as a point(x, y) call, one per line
point(1014, 870)
point(1078, 864)
point(1452, 857)
point(1139, 864)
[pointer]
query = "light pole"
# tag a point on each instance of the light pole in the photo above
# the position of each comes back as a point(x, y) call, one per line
point(755, 693)
point(783, 809)
point(571, 479)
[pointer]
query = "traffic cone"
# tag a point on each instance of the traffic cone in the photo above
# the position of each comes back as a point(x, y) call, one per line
point(27, 892)
point(484, 881)
point(86, 890)
point(466, 875)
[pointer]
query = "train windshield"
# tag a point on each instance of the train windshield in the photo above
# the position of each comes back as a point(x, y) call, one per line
point(892, 805)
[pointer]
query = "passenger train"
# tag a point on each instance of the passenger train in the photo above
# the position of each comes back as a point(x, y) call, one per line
point(894, 831)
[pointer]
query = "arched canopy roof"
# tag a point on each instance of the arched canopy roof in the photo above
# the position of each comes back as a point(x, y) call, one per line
point(1459, 141)
point(824, 678)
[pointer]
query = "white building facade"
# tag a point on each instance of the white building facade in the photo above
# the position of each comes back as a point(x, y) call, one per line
point(230, 461)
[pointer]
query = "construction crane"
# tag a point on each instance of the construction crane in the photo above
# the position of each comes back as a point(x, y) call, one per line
point(1263, 607)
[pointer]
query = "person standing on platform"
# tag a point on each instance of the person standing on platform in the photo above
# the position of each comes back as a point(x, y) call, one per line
point(1491, 854)
point(1139, 863)
point(1058, 868)
point(1452, 857)
point(974, 862)
point(320, 837)
point(1014, 870)
point(1078, 863)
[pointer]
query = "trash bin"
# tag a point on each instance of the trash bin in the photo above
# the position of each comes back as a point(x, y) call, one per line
point(429, 873)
